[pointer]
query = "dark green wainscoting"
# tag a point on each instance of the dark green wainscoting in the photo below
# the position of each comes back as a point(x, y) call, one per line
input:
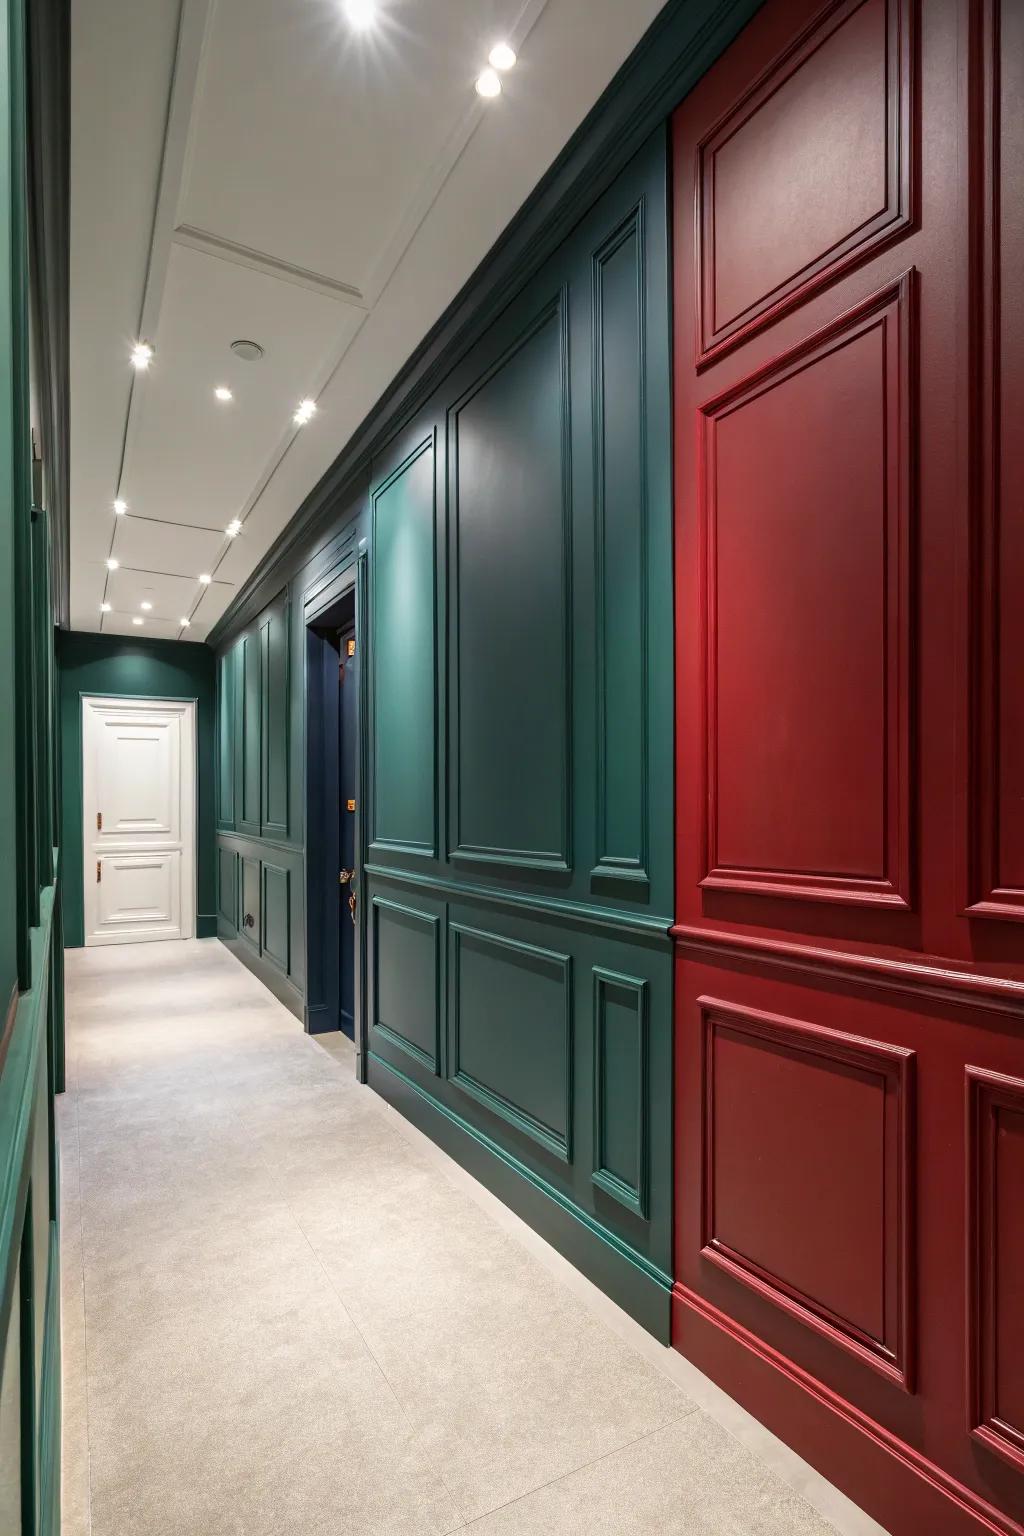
point(505, 517)
point(129, 668)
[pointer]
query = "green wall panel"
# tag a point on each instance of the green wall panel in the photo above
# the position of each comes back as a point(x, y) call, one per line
point(275, 939)
point(161, 669)
point(227, 887)
point(251, 744)
point(511, 1026)
point(406, 949)
point(274, 713)
point(403, 735)
point(250, 927)
point(226, 734)
point(509, 510)
point(620, 1087)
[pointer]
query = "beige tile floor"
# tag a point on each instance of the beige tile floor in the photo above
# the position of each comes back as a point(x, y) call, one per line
point(286, 1312)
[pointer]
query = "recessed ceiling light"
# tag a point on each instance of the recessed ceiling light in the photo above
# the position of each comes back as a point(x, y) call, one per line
point(112, 564)
point(184, 623)
point(234, 528)
point(104, 607)
point(145, 607)
point(205, 579)
point(223, 393)
point(120, 507)
point(142, 355)
point(305, 412)
point(501, 56)
point(361, 13)
point(487, 83)
point(136, 620)
point(248, 351)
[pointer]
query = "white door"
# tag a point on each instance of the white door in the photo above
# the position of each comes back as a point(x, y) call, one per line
point(138, 790)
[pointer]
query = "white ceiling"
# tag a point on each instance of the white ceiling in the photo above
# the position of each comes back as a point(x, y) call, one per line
point(257, 169)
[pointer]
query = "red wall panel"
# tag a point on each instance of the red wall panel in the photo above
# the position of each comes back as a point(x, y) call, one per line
point(849, 374)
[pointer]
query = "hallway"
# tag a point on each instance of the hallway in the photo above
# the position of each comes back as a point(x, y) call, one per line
point(278, 1319)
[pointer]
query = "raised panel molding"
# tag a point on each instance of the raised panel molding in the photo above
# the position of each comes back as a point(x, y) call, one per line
point(226, 719)
point(227, 885)
point(851, 837)
point(251, 803)
point(995, 751)
point(407, 1002)
point(275, 671)
point(275, 909)
point(995, 1262)
point(521, 1028)
point(250, 926)
point(621, 1095)
point(510, 679)
point(835, 1111)
point(856, 188)
point(403, 703)
point(620, 577)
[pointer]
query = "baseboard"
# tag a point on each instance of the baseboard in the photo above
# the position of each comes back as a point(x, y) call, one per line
point(284, 990)
point(320, 1019)
point(49, 1521)
point(624, 1275)
point(206, 925)
point(895, 1483)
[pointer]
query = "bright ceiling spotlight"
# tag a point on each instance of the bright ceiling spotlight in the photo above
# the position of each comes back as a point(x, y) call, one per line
point(104, 607)
point(488, 84)
point(501, 56)
point(142, 356)
point(184, 623)
point(112, 564)
point(205, 579)
point(223, 393)
point(305, 412)
point(136, 620)
point(146, 607)
point(360, 14)
point(120, 507)
point(234, 528)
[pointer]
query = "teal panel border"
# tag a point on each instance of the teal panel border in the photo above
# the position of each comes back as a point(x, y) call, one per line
point(634, 1198)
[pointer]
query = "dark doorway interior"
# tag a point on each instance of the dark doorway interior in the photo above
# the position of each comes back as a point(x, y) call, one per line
point(332, 731)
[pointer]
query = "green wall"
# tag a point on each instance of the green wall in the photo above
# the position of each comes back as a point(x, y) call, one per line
point(167, 669)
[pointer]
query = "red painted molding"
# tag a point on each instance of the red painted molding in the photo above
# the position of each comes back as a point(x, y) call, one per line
point(714, 338)
point(987, 1093)
point(892, 1354)
point(892, 310)
point(995, 994)
point(966, 1511)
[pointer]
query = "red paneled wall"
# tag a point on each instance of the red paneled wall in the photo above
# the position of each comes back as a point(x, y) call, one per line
point(849, 400)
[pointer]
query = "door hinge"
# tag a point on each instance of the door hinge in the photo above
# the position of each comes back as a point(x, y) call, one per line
point(99, 871)
point(99, 821)
point(351, 805)
point(351, 648)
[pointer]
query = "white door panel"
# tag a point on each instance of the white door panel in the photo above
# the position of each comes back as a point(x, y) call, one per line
point(138, 786)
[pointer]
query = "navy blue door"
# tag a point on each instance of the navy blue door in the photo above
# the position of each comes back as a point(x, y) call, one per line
point(348, 718)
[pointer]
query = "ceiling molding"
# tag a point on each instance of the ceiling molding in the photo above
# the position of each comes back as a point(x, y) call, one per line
point(272, 266)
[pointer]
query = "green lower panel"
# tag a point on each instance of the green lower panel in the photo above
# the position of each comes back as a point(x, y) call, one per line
point(636, 1285)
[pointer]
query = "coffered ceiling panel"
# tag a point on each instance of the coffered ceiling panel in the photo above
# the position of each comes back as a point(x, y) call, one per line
point(264, 170)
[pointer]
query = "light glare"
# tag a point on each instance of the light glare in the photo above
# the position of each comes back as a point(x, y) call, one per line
point(223, 393)
point(501, 56)
point(361, 13)
point(488, 84)
point(104, 607)
point(142, 355)
point(120, 507)
point(305, 412)
point(205, 579)
point(112, 564)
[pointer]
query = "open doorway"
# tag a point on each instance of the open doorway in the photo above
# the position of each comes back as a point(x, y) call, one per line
point(332, 775)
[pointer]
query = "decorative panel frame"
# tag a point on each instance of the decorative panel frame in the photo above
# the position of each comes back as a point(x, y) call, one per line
point(514, 859)
point(560, 967)
point(893, 309)
point(987, 1093)
point(382, 844)
point(891, 1355)
point(985, 894)
point(432, 1061)
point(633, 1197)
point(859, 245)
point(609, 865)
point(274, 713)
point(270, 873)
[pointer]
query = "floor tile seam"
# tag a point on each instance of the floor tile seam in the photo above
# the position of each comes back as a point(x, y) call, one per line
point(584, 1466)
point(399, 1404)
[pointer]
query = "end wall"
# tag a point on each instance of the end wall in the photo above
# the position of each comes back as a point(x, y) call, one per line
point(160, 669)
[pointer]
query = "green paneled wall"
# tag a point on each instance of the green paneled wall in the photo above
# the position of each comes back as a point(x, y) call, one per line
point(516, 879)
point(129, 668)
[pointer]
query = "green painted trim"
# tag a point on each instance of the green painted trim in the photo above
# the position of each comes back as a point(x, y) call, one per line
point(637, 1285)
point(399, 1041)
point(49, 1414)
point(633, 1198)
point(579, 914)
point(514, 1114)
point(682, 43)
point(206, 925)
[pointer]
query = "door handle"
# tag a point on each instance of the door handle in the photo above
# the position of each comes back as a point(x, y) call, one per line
point(346, 876)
